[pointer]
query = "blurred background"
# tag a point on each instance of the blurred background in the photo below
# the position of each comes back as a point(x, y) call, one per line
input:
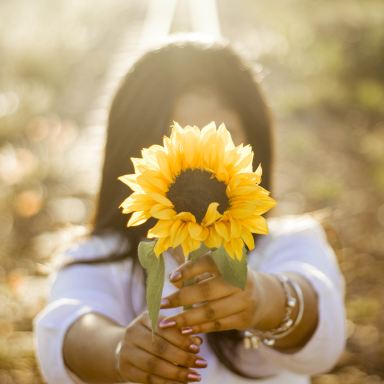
point(322, 68)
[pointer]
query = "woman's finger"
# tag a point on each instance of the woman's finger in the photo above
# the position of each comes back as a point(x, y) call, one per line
point(132, 373)
point(159, 346)
point(238, 321)
point(211, 310)
point(186, 343)
point(193, 268)
point(210, 289)
point(154, 365)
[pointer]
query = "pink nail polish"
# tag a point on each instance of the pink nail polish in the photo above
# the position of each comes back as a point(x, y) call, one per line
point(194, 376)
point(194, 348)
point(201, 363)
point(198, 340)
point(186, 330)
point(165, 302)
point(164, 323)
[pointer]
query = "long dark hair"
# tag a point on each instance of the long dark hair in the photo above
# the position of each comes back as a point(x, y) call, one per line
point(140, 115)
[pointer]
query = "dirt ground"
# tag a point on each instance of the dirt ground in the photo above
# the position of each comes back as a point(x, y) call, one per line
point(321, 67)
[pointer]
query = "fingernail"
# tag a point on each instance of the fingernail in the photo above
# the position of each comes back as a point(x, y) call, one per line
point(164, 323)
point(201, 363)
point(198, 340)
point(194, 376)
point(186, 330)
point(165, 302)
point(194, 348)
point(175, 275)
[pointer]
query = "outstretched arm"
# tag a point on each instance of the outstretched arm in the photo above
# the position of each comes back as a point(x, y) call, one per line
point(305, 256)
point(260, 305)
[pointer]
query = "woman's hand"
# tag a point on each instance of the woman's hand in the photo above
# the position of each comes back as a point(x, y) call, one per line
point(221, 306)
point(166, 358)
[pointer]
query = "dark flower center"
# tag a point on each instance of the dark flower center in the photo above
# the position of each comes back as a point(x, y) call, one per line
point(193, 191)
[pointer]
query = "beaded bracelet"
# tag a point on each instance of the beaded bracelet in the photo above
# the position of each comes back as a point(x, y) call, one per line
point(254, 337)
point(117, 361)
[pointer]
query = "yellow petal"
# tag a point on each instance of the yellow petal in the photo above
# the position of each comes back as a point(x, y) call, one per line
point(223, 131)
point(160, 229)
point(234, 248)
point(161, 246)
point(207, 131)
point(213, 239)
point(256, 224)
point(137, 218)
point(161, 199)
point(223, 230)
point(158, 211)
point(139, 165)
point(211, 215)
point(173, 231)
point(186, 216)
point(180, 235)
point(136, 202)
point(152, 181)
point(130, 180)
point(191, 148)
point(241, 213)
point(238, 248)
point(228, 246)
point(243, 209)
point(245, 189)
point(189, 245)
point(248, 239)
point(259, 171)
point(164, 166)
point(235, 228)
point(197, 232)
point(245, 162)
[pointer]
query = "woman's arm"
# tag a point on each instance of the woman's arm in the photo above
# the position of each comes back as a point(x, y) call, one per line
point(76, 293)
point(260, 305)
point(305, 255)
point(270, 310)
point(85, 343)
point(77, 332)
point(90, 343)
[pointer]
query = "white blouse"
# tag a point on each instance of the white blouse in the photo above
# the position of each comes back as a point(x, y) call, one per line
point(295, 243)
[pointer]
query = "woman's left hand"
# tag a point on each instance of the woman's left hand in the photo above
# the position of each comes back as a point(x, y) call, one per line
point(217, 304)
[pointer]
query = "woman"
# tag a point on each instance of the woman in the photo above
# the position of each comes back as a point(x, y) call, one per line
point(95, 327)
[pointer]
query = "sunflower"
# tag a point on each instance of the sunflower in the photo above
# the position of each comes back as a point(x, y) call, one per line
point(201, 188)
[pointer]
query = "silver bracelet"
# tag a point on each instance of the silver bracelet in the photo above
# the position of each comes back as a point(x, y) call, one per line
point(254, 337)
point(117, 361)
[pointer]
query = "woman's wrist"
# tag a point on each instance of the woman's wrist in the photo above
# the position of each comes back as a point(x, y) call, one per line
point(290, 328)
point(117, 342)
point(271, 302)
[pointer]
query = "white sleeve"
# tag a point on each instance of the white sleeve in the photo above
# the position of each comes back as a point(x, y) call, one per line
point(76, 290)
point(305, 250)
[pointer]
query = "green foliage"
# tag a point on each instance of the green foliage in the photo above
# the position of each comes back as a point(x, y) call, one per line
point(232, 270)
point(198, 252)
point(154, 267)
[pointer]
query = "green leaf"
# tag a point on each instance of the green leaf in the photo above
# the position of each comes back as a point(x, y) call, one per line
point(198, 252)
point(155, 278)
point(232, 270)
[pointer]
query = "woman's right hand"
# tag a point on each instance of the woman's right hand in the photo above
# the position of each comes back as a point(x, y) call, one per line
point(166, 358)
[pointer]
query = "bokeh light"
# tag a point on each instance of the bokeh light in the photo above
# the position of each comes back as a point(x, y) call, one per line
point(321, 66)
